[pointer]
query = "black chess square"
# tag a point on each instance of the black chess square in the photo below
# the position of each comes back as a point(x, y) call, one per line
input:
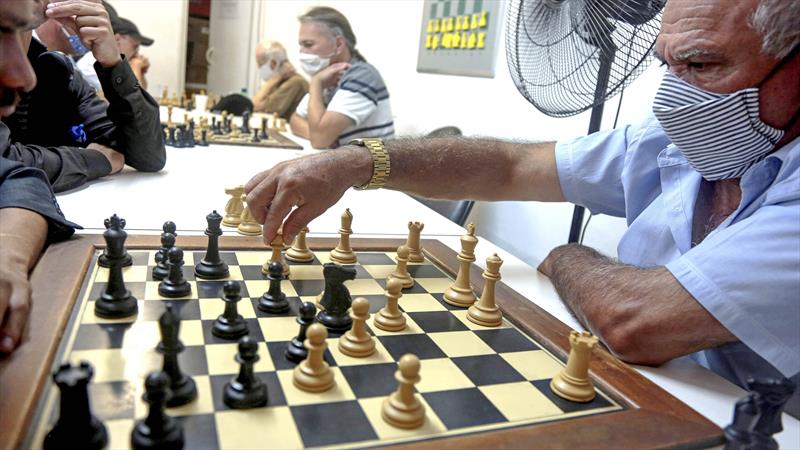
point(228, 258)
point(371, 380)
point(252, 273)
point(566, 405)
point(192, 360)
point(214, 289)
point(184, 309)
point(141, 258)
point(376, 302)
point(361, 272)
point(418, 344)
point(375, 259)
point(437, 321)
point(415, 289)
point(136, 288)
point(253, 330)
point(100, 336)
point(463, 408)
point(487, 369)
point(314, 262)
point(425, 271)
point(506, 340)
point(294, 307)
point(308, 287)
point(199, 431)
point(440, 297)
point(277, 350)
point(275, 395)
point(332, 423)
point(118, 399)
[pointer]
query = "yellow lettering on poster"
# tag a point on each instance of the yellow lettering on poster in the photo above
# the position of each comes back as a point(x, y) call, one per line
point(482, 23)
point(474, 24)
point(430, 26)
point(456, 41)
point(471, 41)
point(447, 39)
point(458, 24)
point(481, 39)
point(435, 25)
point(428, 41)
point(465, 22)
point(463, 40)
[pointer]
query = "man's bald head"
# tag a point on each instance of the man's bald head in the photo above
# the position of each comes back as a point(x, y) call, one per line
point(269, 51)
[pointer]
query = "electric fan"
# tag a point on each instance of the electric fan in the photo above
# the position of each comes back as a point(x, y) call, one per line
point(566, 56)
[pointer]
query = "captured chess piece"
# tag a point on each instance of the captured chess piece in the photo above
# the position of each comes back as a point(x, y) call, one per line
point(234, 207)
point(277, 255)
point(174, 285)
point(390, 318)
point(299, 251)
point(127, 260)
point(336, 298)
point(402, 408)
point(460, 292)
point(245, 390)
point(401, 272)
point(247, 224)
point(158, 430)
point(357, 342)
point(274, 301)
point(183, 387)
point(116, 301)
point(573, 382)
point(230, 324)
point(161, 269)
point(485, 312)
point(77, 427)
point(343, 254)
point(313, 374)
point(413, 244)
point(296, 350)
point(212, 267)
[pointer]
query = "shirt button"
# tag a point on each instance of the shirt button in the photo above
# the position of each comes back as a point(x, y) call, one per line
point(118, 80)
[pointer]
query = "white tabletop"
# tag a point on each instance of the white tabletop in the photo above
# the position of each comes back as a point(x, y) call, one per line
point(193, 182)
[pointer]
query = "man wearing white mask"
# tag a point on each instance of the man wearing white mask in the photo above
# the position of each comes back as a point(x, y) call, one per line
point(347, 97)
point(283, 87)
point(710, 263)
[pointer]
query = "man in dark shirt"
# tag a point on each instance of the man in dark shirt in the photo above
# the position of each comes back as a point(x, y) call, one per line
point(29, 214)
point(64, 128)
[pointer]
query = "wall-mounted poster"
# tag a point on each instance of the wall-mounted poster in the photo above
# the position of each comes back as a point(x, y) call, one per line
point(460, 37)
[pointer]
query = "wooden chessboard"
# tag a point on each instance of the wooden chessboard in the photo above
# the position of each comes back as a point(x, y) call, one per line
point(275, 139)
point(482, 387)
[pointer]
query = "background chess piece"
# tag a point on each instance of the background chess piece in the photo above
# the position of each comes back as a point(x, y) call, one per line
point(247, 224)
point(573, 382)
point(739, 434)
point(460, 292)
point(402, 408)
point(158, 430)
point(174, 285)
point(773, 393)
point(390, 318)
point(299, 252)
point(343, 253)
point(357, 342)
point(161, 269)
point(234, 207)
point(413, 243)
point(76, 427)
point(485, 312)
point(313, 374)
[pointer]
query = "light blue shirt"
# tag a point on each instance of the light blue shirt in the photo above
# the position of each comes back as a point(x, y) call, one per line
point(746, 272)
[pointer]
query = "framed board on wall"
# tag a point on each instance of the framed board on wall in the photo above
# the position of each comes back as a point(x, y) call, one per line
point(460, 37)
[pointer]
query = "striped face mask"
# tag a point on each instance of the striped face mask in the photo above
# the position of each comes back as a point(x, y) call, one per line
point(721, 135)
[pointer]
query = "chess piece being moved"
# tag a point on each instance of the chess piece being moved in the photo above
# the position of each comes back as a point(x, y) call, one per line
point(230, 324)
point(174, 285)
point(357, 342)
point(460, 292)
point(573, 382)
point(274, 301)
point(296, 350)
point(401, 271)
point(102, 261)
point(247, 224)
point(161, 269)
point(485, 312)
point(313, 374)
point(245, 390)
point(402, 408)
point(158, 430)
point(343, 254)
point(234, 207)
point(299, 251)
point(183, 387)
point(212, 267)
point(77, 427)
point(116, 301)
point(390, 318)
point(277, 255)
point(336, 298)
point(413, 244)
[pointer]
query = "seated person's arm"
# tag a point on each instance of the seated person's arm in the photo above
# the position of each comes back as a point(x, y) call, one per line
point(324, 127)
point(261, 97)
point(299, 125)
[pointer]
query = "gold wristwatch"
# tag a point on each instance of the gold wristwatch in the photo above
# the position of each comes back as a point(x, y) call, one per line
point(381, 166)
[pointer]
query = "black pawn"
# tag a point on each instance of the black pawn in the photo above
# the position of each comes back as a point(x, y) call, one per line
point(190, 135)
point(246, 390)
point(161, 269)
point(174, 285)
point(230, 325)
point(171, 137)
point(183, 387)
point(214, 126)
point(127, 259)
point(295, 350)
point(263, 134)
point(245, 122)
point(212, 267)
point(116, 301)
point(76, 426)
point(255, 139)
point(158, 430)
point(203, 138)
point(179, 137)
point(274, 301)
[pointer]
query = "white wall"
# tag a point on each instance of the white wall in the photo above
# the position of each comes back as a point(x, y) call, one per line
point(388, 36)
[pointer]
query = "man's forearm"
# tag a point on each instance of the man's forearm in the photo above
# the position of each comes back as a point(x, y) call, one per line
point(316, 109)
point(260, 99)
point(22, 237)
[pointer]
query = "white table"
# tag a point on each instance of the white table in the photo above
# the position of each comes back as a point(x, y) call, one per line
point(193, 182)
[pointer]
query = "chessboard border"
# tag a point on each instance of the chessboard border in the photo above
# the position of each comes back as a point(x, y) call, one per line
point(653, 418)
point(274, 133)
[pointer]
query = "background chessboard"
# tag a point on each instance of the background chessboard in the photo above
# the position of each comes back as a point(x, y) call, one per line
point(274, 140)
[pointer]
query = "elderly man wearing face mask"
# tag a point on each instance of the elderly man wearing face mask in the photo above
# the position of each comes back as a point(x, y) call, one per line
point(347, 97)
point(283, 87)
point(709, 186)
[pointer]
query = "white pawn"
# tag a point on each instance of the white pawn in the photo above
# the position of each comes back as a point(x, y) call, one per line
point(402, 408)
point(299, 252)
point(485, 312)
point(401, 272)
point(277, 255)
point(357, 342)
point(234, 207)
point(389, 318)
point(313, 374)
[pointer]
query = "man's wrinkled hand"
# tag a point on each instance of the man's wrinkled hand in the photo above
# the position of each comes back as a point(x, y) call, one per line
point(89, 20)
point(331, 75)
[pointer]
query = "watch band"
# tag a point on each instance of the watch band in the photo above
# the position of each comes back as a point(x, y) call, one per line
point(381, 166)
